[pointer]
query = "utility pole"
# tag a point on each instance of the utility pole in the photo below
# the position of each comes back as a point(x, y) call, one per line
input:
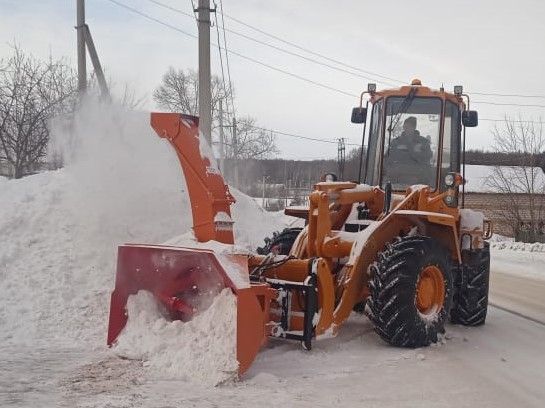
point(82, 65)
point(85, 43)
point(341, 157)
point(235, 151)
point(103, 85)
point(205, 95)
point(222, 139)
point(263, 195)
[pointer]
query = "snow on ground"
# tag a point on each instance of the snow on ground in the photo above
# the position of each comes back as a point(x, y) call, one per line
point(60, 229)
point(499, 365)
point(202, 350)
point(517, 258)
point(518, 263)
point(512, 245)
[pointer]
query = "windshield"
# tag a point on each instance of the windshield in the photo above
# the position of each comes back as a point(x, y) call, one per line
point(411, 140)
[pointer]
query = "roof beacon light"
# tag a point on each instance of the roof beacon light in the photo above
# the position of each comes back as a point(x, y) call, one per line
point(458, 90)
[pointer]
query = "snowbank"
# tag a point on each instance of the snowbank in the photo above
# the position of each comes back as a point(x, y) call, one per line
point(202, 350)
point(60, 229)
point(518, 246)
point(500, 242)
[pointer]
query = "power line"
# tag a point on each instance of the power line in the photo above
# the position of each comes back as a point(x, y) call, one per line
point(508, 95)
point(293, 75)
point(255, 61)
point(515, 121)
point(156, 20)
point(247, 37)
point(332, 59)
point(194, 12)
point(312, 52)
point(359, 69)
point(278, 132)
point(508, 104)
point(221, 58)
point(227, 59)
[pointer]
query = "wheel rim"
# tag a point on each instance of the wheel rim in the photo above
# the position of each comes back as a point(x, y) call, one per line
point(430, 291)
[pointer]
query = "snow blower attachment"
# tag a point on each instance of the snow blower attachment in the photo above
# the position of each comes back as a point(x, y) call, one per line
point(185, 280)
point(403, 252)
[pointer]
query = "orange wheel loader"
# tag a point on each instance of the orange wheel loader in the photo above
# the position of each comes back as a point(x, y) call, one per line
point(396, 244)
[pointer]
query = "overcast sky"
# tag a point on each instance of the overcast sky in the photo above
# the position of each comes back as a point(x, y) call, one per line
point(487, 46)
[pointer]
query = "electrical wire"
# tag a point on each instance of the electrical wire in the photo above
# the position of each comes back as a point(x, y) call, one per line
point(301, 136)
point(508, 104)
point(194, 12)
point(221, 59)
point(292, 44)
point(508, 95)
point(535, 122)
point(247, 37)
point(273, 68)
point(245, 57)
point(312, 52)
point(227, 60)
point(356, 68)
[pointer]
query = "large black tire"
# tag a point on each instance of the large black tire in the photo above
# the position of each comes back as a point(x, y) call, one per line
point(392, 304)
point(280, 243)
point(471, 297)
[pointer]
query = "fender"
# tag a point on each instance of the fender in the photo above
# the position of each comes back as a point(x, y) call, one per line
point(442, 226)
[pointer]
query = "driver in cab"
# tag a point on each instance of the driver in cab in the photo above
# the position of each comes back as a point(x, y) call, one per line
point(410, 147)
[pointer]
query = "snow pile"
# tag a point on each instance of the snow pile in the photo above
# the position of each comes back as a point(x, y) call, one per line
point(60, 230)
point(501, 242)
point(518, 246)
point(202, 350)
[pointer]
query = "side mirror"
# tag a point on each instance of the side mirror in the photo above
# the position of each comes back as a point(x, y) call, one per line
point(470, 118)
point(359, 115)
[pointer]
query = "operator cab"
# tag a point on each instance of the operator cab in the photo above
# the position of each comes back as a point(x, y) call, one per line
point(415, 135)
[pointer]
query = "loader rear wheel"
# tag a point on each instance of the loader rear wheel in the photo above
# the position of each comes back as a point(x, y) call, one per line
point(411, 292)
point(471, 298)
point(280, 243)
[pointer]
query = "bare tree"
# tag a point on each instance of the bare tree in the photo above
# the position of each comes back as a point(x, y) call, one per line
point(522, 184)
point(31, 93)
point(252, 142)
point(179, 92)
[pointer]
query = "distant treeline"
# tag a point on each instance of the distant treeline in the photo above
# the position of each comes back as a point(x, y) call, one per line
point(485, 158)
point(299, 174)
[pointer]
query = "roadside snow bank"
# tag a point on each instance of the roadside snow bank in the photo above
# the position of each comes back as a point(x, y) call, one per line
point(202, 350)
point(60, 229)
point(518, 246)
point(501, 242)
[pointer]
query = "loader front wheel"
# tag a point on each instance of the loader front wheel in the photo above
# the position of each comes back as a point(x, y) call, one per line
point(411, 292)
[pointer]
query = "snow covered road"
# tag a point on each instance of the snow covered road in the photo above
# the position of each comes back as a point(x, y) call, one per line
point(498, 365)
point(519, 294)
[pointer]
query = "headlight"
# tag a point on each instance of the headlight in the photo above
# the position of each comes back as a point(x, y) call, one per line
point(449, 180)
